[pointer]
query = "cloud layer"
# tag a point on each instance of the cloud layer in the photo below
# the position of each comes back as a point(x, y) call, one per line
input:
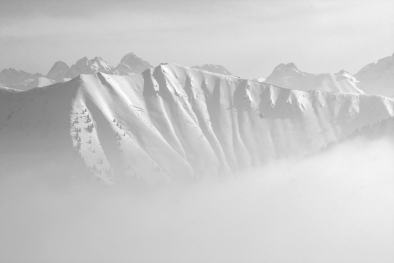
point(335, 207)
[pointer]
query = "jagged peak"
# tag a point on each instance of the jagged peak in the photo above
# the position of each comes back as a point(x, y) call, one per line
point(89, 62)
point(60, 64)
point(83, 60)
point(131, 57)
point(282, 66)
point(98, 59)
point(291, 65)
point(131, 64)
point(343, 72)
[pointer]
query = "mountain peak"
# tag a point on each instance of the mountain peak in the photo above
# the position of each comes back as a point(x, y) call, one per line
point(343, 72)
point(291, 65)
point(87, 66)
point(83, 59)
point(287, 66)
point(131, 64)
point(344, 75)
point(58, 71)
point(60, 63)
point(129, 56)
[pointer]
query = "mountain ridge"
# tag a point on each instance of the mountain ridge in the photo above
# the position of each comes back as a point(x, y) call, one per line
point(374, 78)
point(173, 123)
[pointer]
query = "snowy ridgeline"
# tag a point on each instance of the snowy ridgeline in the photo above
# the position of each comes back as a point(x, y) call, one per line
point(375, 78)
point(172, 123)
point(61, 72)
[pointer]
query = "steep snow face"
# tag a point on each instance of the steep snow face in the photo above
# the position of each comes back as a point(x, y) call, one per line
point(172, 123)
point(131, 64)
point(214, 69)
point(289, 76)
point(86, 66)
point(378, 78)
point(58, 72)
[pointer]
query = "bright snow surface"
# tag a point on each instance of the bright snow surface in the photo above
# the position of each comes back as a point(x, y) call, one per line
point(173, 123)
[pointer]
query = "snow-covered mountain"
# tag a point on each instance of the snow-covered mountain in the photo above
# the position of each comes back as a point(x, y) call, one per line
point(375, 78)
point(289, 76)
point(214, 69)
point(58, 72)
point(13, 76)
point(171, 123)
point(22, 80)
point(87, 66)
point(131, 64)
point(378, 78)
point(61, 72)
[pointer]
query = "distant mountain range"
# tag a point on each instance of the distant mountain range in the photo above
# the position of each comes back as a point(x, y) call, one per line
point(378, 78)
point(60, 72)
point(289, 76)
point(375, 78)
point(372, 79)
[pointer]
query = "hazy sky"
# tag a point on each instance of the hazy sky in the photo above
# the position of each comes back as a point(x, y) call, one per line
point(247, 37)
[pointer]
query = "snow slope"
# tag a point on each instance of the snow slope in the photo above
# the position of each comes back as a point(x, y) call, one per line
point(289, 76)
point(378, 78)
point(214, 69)
point(171, 123)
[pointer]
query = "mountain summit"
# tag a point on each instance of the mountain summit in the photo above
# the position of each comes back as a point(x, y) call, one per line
point(86, 66)
point(131, 64)
point(58, 71)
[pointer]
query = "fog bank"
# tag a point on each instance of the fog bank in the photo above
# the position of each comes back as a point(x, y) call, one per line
point(337, 206)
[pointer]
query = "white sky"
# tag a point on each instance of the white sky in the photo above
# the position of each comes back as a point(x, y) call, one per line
point(249, 38)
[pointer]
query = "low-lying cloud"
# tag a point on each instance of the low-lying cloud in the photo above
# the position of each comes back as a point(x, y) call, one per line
point(337, 206)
